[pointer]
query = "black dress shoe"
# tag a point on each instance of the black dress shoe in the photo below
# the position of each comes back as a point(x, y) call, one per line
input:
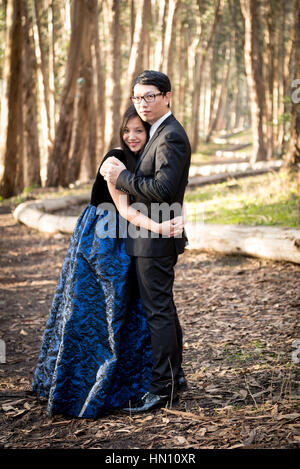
point(148, 402)
point(182, 383)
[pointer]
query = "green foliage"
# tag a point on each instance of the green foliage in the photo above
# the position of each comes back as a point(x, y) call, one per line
point(271, 199)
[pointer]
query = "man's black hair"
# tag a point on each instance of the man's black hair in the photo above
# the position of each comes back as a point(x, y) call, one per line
point(152, 77)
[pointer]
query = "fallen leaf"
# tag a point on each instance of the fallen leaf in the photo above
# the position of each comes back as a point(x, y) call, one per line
point(243, 393)
point(188, 415)
point(239, 445)
point(146, 419)
point(7, 407)
point(202, 431)
point(212, 389)
point(250, 438)
point(212, 428)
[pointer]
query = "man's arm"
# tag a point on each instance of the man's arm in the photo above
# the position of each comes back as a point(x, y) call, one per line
point(172, 156)
point(167, 228)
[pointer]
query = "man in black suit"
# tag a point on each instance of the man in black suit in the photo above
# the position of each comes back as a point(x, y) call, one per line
point(157, 185)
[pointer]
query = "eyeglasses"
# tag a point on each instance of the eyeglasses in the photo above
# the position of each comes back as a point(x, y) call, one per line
point(148, 98)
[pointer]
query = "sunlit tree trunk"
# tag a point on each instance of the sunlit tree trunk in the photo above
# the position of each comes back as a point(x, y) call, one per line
point(159, 24)
point(92, 132)
point(147, 38)
point(269, 68)
point(51, 67)
point(113, 77)
point(207, 96)
point(58, 161)
point(41, 92)
point(135, 64)
point(234, 9)
point(82, 122)
point(286, 62)
point(218, 123)
point(292, 157)
point(167, 49)
point(31, 141)
point(253, 66)
point(11, 109)
point(98, 58)
point(45, 69)
point(183, 66)
point(201, 55)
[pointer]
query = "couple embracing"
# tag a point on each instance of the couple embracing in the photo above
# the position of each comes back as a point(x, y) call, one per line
point(113, 338)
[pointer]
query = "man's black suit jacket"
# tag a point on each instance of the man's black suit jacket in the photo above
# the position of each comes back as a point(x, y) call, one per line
point(158, 184)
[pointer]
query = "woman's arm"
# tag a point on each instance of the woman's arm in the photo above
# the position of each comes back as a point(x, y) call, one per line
point(170, 228)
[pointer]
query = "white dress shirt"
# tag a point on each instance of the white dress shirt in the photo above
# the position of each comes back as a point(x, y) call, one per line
point(157, 124)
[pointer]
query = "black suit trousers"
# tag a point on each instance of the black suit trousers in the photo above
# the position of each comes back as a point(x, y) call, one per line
point(155, 279)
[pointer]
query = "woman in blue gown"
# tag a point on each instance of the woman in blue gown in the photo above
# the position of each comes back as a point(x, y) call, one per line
point(96, 352)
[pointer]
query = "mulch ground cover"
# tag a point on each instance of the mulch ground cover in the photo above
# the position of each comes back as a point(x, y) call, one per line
point(240, 317)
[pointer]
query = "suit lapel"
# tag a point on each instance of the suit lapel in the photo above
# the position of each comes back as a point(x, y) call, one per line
point(152, 140)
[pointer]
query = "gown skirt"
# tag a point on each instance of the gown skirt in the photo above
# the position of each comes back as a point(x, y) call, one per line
point(96, 350)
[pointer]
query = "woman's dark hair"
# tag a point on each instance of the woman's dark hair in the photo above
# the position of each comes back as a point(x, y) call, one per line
point(152, 77)
point(129, 114)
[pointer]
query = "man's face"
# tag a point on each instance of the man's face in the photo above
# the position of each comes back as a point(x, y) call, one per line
point(151, 112)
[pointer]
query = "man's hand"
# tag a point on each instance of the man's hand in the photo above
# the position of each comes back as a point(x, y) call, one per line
point(111, 169)
point(172, 228)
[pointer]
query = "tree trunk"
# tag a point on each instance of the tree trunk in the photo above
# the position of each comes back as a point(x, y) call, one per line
point(84, 85)
point(183, 66)
point(113, 77)
point(269, 65)
point(100, 88)
point(32, 175)
point(253, 66)
point(147, 38)
point(58, 162)
point(201, 55)
point(11, 108)
point(43, 80)
point(92, 134)
point(159, 23)
point(287, 58)
point(167, 49)
point(218, 121)
point(292, 157)
point(234, 10)
point(51, 81)
point(135, 64)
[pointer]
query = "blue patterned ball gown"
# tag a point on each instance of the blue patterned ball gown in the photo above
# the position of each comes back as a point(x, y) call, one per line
point(96, 352)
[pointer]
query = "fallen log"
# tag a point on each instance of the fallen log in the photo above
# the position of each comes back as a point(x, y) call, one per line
point(274, 243)
point(34, 214)
point(230, 167)
point(197, 180)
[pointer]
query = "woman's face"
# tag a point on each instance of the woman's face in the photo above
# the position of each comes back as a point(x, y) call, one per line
point(134, 134)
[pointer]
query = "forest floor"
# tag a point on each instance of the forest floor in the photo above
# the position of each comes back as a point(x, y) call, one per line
point(240, 317)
